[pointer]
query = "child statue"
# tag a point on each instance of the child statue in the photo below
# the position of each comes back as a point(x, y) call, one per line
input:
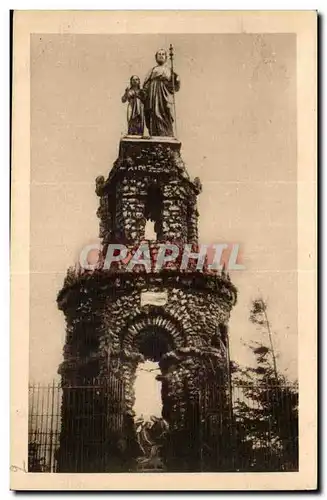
point(135, 115)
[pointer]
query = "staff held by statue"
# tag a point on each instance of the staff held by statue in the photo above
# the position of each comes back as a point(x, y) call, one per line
point(171, 56)
point(155, 102)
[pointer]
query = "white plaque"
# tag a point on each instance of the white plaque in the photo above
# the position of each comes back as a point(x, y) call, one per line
point(154, 298)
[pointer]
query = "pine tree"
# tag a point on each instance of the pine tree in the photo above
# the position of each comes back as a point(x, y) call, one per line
point(266, 413)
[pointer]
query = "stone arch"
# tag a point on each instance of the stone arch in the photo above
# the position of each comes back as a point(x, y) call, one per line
point(151, 325)
point(156, 321)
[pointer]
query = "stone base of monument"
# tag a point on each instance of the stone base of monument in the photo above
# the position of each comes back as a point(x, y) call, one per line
point(136, 143)
point(153, 464)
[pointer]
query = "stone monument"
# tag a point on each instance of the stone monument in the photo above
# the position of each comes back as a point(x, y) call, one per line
point(111, 328)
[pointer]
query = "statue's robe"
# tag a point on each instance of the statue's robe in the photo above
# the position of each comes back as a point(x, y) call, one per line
point(134, 111)
point(158, 100)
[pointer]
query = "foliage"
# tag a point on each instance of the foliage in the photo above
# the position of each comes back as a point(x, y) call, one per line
point(266, 416)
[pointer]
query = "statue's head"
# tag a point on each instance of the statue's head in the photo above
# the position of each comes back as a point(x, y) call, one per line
point(135, 82)
point(161, 56)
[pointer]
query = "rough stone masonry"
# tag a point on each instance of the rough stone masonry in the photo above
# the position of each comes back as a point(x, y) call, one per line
point(109, 332)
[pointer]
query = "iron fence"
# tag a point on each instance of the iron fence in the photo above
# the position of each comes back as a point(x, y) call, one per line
point(261, 432)
point(44, 425)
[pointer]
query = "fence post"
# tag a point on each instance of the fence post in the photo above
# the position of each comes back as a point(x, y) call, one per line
point(51, 425)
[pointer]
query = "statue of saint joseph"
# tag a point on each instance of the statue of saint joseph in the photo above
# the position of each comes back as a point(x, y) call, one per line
point(158, 88)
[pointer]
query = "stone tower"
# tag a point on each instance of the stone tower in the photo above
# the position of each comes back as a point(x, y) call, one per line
point(118, 317)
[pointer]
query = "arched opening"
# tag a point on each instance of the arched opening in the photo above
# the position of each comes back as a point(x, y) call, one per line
point(154, 331)
point(149, 232)
point(147, 389)
point(153, 213)
point(152, 334)
point(153, 343)
point(151, 429)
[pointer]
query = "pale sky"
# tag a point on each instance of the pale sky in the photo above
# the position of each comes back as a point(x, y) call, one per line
point(236, 113)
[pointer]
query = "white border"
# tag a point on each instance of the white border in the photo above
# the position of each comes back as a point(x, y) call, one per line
point(304, 359)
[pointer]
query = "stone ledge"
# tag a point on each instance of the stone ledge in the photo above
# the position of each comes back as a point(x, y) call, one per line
point(132, 144)
point(107, 282)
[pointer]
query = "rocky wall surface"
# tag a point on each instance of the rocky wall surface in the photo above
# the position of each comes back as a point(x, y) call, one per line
point(103, 330)
point(198, 312)
point(124, 197)
point(110, 330)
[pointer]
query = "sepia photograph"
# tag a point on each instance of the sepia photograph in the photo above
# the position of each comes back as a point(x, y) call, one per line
point(166, 277)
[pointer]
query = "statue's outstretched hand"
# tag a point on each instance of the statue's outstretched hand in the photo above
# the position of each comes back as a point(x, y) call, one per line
point(125, 96)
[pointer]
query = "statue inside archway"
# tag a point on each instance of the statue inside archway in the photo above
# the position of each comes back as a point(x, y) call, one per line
point(151, 435)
